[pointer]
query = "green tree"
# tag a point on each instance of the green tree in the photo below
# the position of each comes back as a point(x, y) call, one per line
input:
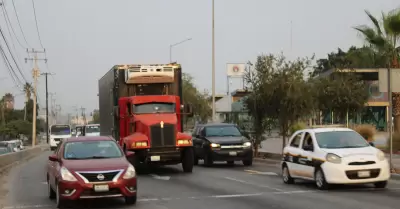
point(96, 117)
point(279, 92)
point(342, 93)
point(384, 37)
point(199, 102)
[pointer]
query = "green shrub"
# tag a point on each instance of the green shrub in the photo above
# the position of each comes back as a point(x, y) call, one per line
point(297, 126)
point(367, 131)
point(396, 142)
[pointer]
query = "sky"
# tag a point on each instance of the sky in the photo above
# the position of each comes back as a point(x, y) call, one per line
point(85, 38)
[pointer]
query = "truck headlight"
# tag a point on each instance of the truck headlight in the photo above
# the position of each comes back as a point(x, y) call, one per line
point(214, 145)
point(66, 175)
point(380, 155)
point(130, 172)
point(332, 158)
point(247, 144)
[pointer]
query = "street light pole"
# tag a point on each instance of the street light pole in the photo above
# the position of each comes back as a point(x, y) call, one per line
point(213, 64)
point(172, 45)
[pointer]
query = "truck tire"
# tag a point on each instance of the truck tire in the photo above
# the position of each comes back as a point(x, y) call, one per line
point(188, 160)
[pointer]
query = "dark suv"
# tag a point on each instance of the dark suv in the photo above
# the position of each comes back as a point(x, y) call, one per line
point(221, 142)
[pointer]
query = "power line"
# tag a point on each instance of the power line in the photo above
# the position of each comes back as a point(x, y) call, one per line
point(37, 27)
point(7, 18)
point(19, 23)
point(9, 25)
point(12, 56)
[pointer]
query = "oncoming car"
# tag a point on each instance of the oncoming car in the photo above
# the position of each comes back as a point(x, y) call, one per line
point(333, 156)
point(90, 167)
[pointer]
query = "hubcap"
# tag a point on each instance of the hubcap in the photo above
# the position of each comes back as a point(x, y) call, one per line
point(319, 179)
point(285, 174)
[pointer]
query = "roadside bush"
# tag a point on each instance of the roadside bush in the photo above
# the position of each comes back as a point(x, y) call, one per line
point(396, 142)
point(367, 131)
point(297, 126)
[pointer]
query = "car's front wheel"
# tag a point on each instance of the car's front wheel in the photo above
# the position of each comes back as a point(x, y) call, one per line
point(248, 162)
point(61, 203)
point(287, 179)
point(52, 194)
point(381, 184)
point(320, 180)
point(131, 200)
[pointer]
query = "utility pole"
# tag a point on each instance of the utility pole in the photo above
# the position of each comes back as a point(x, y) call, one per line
point(52, 104)
point(83, 115)
point(36, 74)
point(47, 106)
point(213, 64)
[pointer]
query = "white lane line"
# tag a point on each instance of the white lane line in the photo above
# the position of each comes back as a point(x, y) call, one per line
point(165, 178)
point(213, 196)
point(253, 184)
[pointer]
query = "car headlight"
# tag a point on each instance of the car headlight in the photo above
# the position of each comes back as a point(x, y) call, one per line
point(130, 172)
point(380, 155)
point(247, 144)
point(214, 145)
point(332, 158)
point(66, 175)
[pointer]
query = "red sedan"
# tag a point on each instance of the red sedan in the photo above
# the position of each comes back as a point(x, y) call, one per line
point(90, 167)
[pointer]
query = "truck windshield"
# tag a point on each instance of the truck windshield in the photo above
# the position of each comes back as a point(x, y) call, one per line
point(154, 108)
point(60, 130)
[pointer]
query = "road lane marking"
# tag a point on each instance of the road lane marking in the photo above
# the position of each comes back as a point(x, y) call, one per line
point(261, 173)
point(165, 178)
point(253, 184)
point(213, 196)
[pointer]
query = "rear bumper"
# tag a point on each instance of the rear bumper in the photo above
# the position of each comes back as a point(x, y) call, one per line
point(231, 155)
point(81, 190)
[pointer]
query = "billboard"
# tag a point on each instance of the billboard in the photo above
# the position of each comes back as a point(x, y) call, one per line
point(235, 69)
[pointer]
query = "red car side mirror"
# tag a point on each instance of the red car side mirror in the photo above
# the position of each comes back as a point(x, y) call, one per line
point(53, 158)
point(129, 154)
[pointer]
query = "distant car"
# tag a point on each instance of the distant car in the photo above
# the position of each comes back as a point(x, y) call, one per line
point(90, 167)
point(221, 142)
point(333, 156)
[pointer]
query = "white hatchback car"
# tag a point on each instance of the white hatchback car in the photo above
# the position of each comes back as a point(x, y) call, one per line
point(333, 156)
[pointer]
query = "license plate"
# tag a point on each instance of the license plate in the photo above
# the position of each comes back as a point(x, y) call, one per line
point(155, 158)
point(363, 174)
point(101, 188)
point(232, 153)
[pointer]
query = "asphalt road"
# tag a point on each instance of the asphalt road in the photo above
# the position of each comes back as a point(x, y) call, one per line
point(220, 187)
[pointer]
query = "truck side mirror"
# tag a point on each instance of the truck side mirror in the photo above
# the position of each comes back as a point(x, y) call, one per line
point(187, 109)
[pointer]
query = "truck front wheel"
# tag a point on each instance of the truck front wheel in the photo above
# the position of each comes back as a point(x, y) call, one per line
point(187, 160)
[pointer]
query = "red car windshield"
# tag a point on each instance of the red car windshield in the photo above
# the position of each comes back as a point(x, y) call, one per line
point(91, 150)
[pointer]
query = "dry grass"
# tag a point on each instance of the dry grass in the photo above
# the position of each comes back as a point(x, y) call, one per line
point(366, 130)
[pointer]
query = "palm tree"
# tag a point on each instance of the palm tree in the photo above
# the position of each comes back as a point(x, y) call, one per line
point(384, 37)
point(28, 94)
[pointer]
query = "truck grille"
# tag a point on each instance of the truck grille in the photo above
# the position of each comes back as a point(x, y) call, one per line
point(161, 137)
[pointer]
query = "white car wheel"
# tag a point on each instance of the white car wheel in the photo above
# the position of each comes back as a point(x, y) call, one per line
point(287, 179)
point(320, 180)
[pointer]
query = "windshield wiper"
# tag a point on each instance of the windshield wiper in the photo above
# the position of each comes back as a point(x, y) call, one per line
point(97, 157)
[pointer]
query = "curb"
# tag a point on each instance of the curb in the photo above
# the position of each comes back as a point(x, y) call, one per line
point(395, 176)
